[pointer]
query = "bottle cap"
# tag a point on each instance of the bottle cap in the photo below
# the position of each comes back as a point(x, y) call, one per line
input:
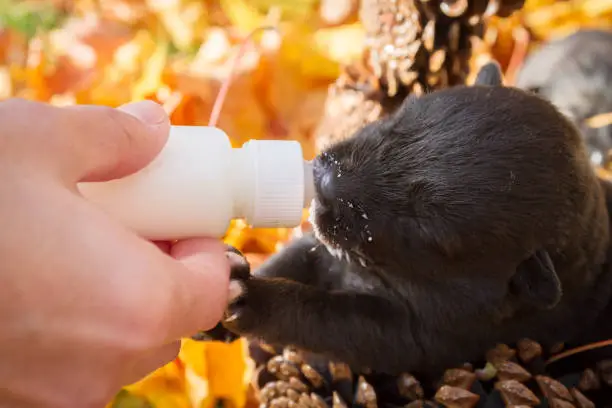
point(280, 190)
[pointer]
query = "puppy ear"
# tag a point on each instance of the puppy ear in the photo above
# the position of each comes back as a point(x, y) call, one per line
point(490, 74)
point(536, 282)
point(408, 101)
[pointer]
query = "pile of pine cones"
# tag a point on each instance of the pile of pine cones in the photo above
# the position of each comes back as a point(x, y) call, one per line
point(411, 47)
point(425, 44)
point(510, 377)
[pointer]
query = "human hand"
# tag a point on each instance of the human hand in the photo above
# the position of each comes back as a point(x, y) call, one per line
point(86, 305)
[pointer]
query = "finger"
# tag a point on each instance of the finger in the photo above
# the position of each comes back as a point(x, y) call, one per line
point(159, 297)
point(90, 143)
point(201, 286)
point(150, 361)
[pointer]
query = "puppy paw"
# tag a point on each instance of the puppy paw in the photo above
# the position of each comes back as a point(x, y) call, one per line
point(239, 266)
point(218, 333)
point(240, 270)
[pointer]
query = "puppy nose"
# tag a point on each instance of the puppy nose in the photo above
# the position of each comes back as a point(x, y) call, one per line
point(327, 185)
point(324, 181)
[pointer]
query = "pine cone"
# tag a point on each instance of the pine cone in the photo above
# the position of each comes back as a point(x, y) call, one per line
point(288, 378)
point(425, 44)
point(411, 47)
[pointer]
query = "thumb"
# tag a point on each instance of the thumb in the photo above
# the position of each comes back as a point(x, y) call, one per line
point(89, 142)
point(134, 134)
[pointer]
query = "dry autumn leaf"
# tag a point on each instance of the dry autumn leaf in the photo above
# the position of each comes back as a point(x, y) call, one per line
point(166, 387)
point(216, 371)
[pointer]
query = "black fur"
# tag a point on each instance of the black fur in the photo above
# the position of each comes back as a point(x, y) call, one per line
point(471, 216)
point(575, 73)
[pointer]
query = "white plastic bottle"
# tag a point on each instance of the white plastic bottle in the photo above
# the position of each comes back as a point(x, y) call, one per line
point(199, 183)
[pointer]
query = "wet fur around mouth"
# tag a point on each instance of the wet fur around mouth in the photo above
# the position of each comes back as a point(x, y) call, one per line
point(470, 217)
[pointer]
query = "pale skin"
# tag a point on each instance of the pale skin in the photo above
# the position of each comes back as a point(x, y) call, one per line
point(86, 305)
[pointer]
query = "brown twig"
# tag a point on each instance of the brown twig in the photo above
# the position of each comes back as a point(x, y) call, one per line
point(577, 350)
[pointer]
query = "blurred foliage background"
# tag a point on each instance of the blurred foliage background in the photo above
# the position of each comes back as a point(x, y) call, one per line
point(179, 52)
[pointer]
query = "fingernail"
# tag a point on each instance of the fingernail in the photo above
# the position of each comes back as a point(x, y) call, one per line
point(147, 111)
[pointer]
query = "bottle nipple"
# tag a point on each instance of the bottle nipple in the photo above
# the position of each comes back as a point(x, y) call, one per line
point(309, 190)
point(283, 183)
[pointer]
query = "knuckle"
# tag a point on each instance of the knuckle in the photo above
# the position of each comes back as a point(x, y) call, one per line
point(124, 129)
point(122, 123)
point(113, 115)
point(118, 124)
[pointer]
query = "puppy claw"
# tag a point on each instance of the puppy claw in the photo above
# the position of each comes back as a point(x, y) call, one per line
point(232, 317)
point(202, 336)
point(218, 333)
point(236, 260)
point(240, 268)
point(232, 249)
point(237, 290)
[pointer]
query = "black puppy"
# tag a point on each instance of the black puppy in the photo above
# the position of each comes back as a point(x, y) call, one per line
point(471, 216)
point(575, 73)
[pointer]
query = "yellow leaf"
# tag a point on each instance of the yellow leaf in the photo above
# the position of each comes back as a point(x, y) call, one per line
point(132, 56)
point(229, 371)
point(115, 84)
point(242, 14)
point(301, 52)
point(166, 387)
point(193, 355)
point(217, 370)
point(151, 78)
point(342, 44)
point(184, 20)
point(290, 9)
